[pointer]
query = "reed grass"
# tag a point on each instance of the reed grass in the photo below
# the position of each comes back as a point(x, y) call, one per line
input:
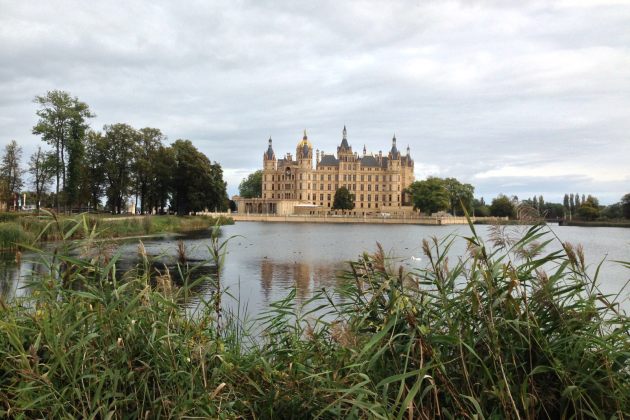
point(11, 234)
point(48, 226)
point(506, 331)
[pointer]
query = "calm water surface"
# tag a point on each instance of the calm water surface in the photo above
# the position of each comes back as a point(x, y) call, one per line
point(265, 260)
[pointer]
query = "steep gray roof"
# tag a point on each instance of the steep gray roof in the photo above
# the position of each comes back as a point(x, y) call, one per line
point(384, 162)
point(394, 152)
point(329, 160)
point(344, 141)
point(370, 161)
point(269, 152)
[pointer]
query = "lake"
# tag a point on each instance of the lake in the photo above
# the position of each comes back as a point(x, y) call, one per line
point(265, 260)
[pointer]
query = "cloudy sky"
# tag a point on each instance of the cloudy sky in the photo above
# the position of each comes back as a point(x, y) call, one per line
point(514, 97)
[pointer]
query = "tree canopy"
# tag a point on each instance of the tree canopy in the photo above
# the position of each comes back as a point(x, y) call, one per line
point(343, 200)
point(589, 209)
point(430, 195)
point(625, 206)
point(251, 187)
point(459, 195)
point(10, 171)
point(502, 206)
point(197, 183)
point(62, 124)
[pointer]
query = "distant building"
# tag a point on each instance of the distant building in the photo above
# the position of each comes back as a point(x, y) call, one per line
point(291, 185)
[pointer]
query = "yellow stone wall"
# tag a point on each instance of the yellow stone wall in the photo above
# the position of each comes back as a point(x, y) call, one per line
point(294, 178)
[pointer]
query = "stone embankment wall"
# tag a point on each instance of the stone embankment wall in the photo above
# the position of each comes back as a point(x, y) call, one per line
point(437, 221)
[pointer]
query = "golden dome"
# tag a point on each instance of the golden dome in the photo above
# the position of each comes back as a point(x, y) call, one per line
point(305, 141)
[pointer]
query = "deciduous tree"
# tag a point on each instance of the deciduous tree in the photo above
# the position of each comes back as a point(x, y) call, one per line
point(459, 195)
point(42, 169)
point(625, 206)
point(149, 145)
point(502, 206)
point(343, 200)
point(62, 120)
point(251, 186)
point(430, 195)
point(121, 142)
point(197, 183)
point(10, 172)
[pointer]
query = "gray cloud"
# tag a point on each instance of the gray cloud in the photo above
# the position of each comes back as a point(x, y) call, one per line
point(518, 98)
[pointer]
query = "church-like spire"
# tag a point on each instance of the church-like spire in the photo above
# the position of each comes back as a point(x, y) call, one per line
point(394, 151)
point(305, 136)
point(269, 154)
point(344, 140)
point(364, 150)
point(408, 150)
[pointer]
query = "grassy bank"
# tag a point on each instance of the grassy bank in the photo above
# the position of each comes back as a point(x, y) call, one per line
point(507, 331)
point(595, 223)
point(18, 228)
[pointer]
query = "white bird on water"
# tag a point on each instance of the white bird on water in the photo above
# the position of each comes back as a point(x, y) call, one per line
point(416, 258)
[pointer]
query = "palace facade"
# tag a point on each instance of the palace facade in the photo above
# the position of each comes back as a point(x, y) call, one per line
point(293, 185)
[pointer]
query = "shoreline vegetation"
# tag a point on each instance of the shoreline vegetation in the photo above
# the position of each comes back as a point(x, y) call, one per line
point(31, 229)
point(508, 330)
point(596, 223)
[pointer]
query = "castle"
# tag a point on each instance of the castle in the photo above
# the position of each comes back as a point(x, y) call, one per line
point(291, 185)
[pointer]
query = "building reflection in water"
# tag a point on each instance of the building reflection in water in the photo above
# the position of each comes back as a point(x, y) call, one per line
point(278, 277)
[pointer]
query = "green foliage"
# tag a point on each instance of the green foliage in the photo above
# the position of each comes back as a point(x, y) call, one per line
point(430, 195)
point(343, 200)
point(589, 209)
point(437, 194)
point(12, 235)
point(9, 216)
point(613, 211)
point(625, 205)
point(480, 208)
point(251, 186)
point(459, 195)
point(10, 172)
point(146, 171)
point(96, 154)
point(42, 169)
point(502, 206)
point(507, 331)
point(62, 124)
point(121, 140)
point(197, 183)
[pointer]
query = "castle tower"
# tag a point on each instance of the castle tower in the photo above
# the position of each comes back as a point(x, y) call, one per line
point(304, 153)
point(269, 168)
point(304, 156)
point(344, 151)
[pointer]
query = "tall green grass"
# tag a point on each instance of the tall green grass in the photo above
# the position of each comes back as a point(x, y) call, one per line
point(506, 331)
point(12, 234)
point(48, 226)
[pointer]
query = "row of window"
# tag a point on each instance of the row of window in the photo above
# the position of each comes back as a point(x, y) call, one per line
point(362, 197)
point(351, 187)
point(322, 177)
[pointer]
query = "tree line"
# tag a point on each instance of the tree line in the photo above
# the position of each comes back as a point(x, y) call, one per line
point(116, 164)
point(450, 195)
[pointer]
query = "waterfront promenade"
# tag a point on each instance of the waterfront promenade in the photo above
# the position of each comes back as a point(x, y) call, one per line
point(416, 220)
